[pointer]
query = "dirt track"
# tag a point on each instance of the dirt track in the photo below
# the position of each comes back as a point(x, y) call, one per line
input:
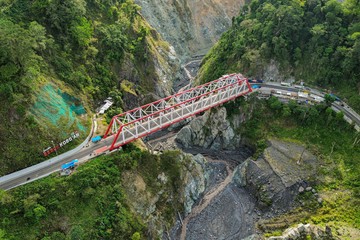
point(205, 201)
point(225, 211)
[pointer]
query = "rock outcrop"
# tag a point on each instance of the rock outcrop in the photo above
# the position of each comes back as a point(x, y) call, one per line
point(195, 179)
point(192, 27)
point(194, 174)
point(212, 130)
point(275, 177)
point(306, 231)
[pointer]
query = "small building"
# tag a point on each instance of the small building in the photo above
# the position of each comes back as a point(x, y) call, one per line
point(107, 104)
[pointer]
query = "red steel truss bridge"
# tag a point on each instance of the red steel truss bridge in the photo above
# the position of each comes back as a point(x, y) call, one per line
point(147, 119)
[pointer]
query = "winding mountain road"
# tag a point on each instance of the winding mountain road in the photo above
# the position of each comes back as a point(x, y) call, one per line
point(44, 169)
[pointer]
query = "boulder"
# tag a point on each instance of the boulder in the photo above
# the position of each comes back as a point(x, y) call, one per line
point(305, 231)
point(239, 176)
point(184, 137)
point(211, 130)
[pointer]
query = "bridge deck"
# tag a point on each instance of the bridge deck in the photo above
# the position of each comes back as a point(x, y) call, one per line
point(152, 117)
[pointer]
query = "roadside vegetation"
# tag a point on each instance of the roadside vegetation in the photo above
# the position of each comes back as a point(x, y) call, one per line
point(317, 42)
point(336, 145)
point(92, 202)
point(79, 48)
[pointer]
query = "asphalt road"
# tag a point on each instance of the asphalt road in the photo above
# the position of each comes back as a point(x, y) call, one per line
point(345, 109)
point(131, 134)
point(42, 172)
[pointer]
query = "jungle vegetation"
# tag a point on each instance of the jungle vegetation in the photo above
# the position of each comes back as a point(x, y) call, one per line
point(317, 42)
point(78, 47)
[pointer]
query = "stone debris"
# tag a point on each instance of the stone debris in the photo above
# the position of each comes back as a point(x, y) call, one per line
point(305, 231)
point(162, 178)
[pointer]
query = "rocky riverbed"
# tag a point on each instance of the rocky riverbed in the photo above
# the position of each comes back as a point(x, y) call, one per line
point(239, 192)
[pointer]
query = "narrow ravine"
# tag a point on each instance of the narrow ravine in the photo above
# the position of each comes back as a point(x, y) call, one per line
point(209, 196)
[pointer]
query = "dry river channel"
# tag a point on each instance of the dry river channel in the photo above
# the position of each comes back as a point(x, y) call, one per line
point(225, 211)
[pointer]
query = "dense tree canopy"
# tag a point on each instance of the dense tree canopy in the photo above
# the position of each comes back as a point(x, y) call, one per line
point(79, 44)
point(314, 41)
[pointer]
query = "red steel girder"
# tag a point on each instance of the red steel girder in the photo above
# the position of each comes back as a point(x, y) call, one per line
point(147, 119)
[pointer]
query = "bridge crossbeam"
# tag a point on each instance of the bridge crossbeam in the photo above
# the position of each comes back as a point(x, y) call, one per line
point(151, 117)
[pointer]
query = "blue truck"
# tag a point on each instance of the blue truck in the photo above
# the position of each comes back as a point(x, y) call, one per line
point(255, 86)
point(96, 139)
point(69, 165)
point(335, 97)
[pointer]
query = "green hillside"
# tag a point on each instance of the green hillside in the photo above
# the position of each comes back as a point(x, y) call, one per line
point(317, 42)
point(58, 61)
point(93, 202)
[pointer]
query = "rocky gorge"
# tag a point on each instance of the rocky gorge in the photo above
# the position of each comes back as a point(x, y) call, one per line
point(256, 188)
point(228, 192)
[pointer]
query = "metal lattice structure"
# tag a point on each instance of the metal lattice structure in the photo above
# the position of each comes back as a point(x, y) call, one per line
point(147, 119)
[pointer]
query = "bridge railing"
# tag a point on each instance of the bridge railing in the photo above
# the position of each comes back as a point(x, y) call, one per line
point(149, 118)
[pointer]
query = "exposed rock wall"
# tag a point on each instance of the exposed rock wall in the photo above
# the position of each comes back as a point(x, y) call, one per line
point(191, 26)
point(194, 175)
point(271, 72)
point(275, 177)
point(212, 130)
point(153, 76)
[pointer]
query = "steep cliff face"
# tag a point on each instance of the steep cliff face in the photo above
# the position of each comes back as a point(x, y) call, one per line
point(192, 27)
point(153, 206)
point(214, 130)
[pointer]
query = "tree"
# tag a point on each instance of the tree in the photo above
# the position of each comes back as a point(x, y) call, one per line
point(114, 40)
point(3, 233)
point(329, 99)
point(312, 115)
point(82, 31)
point(5, 197)
point(136, 236)
point(38, 33)
point(275, 103)
point(286, 112)
point(16, 45)
point(39, 211)
point(77, 233)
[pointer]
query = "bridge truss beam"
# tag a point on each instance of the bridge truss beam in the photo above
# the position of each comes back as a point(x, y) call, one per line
point(154, 116)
